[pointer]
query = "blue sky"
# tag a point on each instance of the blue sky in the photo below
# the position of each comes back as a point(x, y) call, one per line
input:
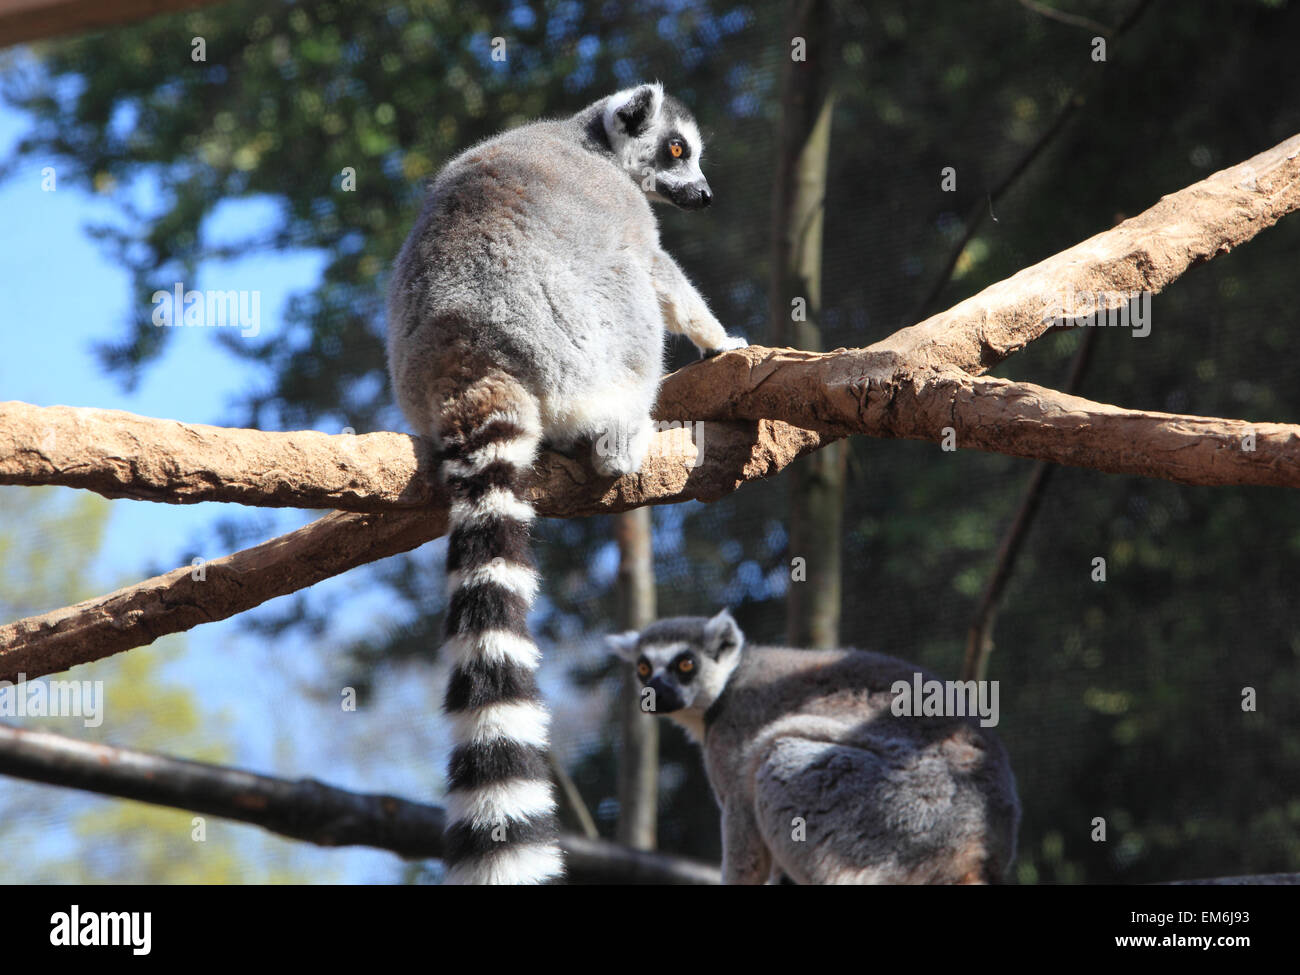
point(275, 705)
point(61, 295)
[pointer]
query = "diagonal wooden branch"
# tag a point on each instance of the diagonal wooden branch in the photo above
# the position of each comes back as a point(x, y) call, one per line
point(121, 455)
point(302, 809)
point(914, 384)
point(733, 453)
point(182, 599)
point(305, 809)
point(987, 414)
point(1144, 253)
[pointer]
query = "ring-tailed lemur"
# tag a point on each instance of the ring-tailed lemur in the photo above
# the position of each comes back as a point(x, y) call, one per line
point(817, 779)
point(529, 305)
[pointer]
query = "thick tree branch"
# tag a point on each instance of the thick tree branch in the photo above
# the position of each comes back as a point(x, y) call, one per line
point(1024, 420)
point(122, 455)
point(1019, 419)
point(33, 20)
point(181, 599)
point(1144, 253)
point(914, 384)
point(826, 391)
point(303, 809)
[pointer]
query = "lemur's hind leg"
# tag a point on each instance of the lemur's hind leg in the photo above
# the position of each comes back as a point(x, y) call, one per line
point(621, 446)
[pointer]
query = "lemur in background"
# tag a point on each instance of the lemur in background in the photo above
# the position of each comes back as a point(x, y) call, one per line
point(529, 305)
point(818, 781)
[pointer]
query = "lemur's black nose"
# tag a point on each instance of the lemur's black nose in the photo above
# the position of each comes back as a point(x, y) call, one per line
point(706, 196)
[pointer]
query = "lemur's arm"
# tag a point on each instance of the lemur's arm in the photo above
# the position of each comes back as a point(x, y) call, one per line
point(685, 312)
point(745, 860)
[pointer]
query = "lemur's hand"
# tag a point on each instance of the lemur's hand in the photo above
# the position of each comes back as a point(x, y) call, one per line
point(729, 343)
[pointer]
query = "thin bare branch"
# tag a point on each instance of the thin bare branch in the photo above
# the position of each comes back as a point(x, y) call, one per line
point(1143, 254)
point(979, 639)
point(302, 809)
point(1074, 101)
point(572, 804)
point(1064, 17)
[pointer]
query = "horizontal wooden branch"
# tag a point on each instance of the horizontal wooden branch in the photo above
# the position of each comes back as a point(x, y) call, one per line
point(1025, 420)
point(31, 20)
point(122, 455)
point(301, 809)
point(733, 453)
point(1020, 419)
point(754, 410)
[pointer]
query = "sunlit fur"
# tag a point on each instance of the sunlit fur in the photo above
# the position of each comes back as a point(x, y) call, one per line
point(818, 781)
point(529, 306)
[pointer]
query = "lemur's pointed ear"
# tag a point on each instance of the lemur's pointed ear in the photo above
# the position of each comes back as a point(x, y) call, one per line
point(622, 644)
point(722, 635)
point(630, 112)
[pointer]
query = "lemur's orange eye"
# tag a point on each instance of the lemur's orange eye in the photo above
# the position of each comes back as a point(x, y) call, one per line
point(686, 666)
point(675, 147)
point(643, 669)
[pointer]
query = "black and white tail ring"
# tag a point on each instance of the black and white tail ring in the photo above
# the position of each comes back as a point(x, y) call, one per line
point(501, 826)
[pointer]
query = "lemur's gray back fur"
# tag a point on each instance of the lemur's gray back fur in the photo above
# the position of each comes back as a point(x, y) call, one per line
point(808, 737)
point(529, 304)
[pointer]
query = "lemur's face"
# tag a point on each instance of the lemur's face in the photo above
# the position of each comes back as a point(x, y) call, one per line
point(670, 670)
point(684, 661)
point(657, 141)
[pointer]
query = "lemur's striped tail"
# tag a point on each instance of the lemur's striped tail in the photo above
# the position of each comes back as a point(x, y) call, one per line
point(501, 826)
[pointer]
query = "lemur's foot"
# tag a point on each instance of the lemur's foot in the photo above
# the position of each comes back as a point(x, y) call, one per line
point(729, 343)
point(621, 449)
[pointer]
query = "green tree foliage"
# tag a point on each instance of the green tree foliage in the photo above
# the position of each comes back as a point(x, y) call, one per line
point(1120, 699)
point(48, 539)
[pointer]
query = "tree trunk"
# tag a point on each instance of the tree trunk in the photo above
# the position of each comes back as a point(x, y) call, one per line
point(638, 767)
point(816, 484)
